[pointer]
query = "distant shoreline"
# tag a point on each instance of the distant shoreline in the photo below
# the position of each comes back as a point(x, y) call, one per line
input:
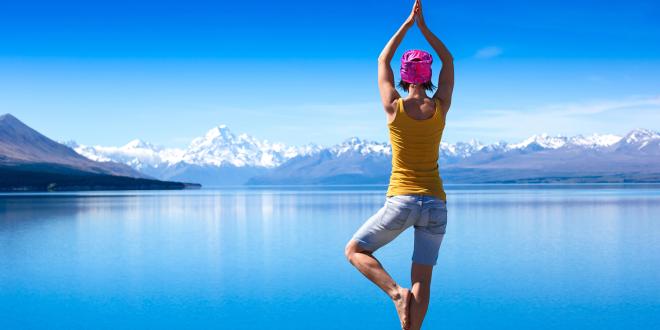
point(186, 186)
point(16, 179)
point(368, 188)
point(167, 186)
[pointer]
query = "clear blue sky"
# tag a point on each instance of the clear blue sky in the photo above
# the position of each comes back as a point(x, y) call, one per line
point(105, 72)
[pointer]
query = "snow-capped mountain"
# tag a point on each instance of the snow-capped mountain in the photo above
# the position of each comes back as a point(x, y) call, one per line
point(352, 161)
point(544, 141)
point(214, 158)
point(218, 147)
point(640, 141)
point(540, 158)
point(641, 136)
point(221, 157)
point(137, 154)
point(221, 147)
point(361, 147)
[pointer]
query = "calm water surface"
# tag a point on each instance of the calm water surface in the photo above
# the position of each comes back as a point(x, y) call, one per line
point(513, 257)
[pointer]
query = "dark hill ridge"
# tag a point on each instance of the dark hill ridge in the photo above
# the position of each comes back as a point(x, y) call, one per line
point(20, 144)
point(30, 161)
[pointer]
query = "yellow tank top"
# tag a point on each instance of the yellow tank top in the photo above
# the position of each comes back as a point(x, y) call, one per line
point(415, 151)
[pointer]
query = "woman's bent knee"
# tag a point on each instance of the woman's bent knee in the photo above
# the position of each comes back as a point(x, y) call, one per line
point(353, 247)
point(350, 249)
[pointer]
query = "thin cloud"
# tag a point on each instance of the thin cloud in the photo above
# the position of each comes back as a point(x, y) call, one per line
point(607, 116)
point(488, 52)
point(600, 106)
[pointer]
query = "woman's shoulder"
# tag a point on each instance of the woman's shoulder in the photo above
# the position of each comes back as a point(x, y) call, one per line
point(439, 105)
point(434, 103)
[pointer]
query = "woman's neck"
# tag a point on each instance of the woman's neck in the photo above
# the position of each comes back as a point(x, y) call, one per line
point(415, 92)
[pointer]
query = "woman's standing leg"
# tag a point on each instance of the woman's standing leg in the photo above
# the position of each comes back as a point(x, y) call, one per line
point(429, 234)
point(420, 277)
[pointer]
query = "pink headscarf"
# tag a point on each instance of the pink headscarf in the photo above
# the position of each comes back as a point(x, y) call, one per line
point(416, 66)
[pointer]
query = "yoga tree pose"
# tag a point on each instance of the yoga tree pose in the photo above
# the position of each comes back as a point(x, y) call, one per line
point(415, 195)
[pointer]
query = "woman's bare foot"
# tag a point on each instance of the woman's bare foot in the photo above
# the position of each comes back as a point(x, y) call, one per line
point(402, 304)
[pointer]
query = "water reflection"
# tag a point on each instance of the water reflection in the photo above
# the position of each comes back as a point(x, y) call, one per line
point(559, 257)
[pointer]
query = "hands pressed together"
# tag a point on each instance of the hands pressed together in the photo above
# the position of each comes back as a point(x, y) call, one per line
point(416, 15)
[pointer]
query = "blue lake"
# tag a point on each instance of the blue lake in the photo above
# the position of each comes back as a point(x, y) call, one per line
point(514, 257)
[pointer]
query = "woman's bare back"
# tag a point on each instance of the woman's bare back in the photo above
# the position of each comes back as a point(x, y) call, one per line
point(415, 108)
point(419, 109)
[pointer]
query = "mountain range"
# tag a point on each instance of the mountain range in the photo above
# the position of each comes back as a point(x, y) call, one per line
point(221, 157)
point(30, 161)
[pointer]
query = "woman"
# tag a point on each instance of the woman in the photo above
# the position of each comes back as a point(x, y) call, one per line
point(415, 196)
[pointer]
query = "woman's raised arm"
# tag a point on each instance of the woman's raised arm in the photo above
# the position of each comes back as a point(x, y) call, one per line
point(446, 79)
point(388, 93)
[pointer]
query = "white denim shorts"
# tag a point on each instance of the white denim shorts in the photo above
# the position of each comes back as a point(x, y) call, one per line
point(428, 215)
